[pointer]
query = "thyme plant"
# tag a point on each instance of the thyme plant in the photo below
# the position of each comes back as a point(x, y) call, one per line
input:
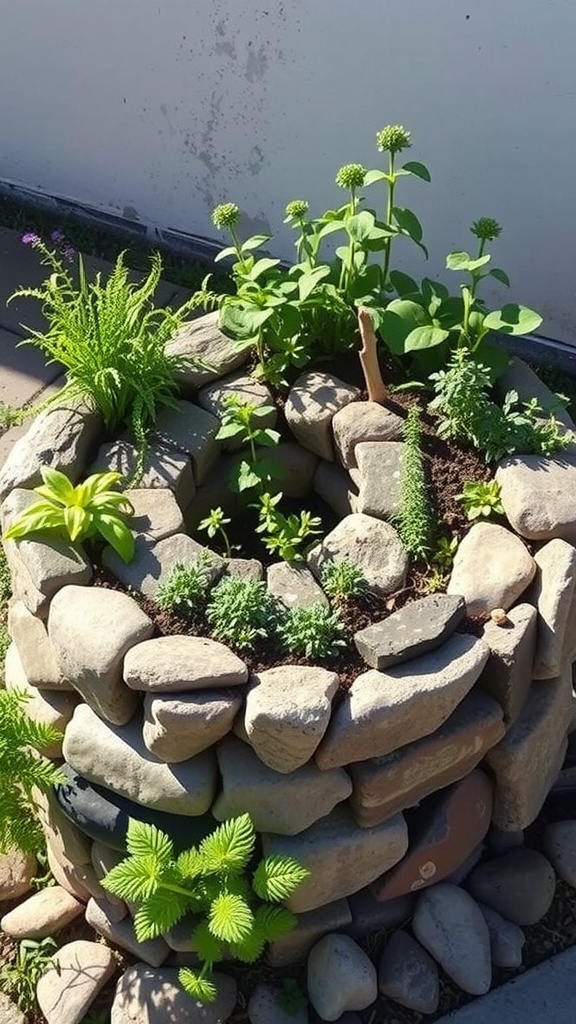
point(414, 519)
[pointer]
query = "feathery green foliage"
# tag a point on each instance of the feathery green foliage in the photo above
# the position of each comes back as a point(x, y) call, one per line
point(314, 632)
point(241, 612)
point(343, 580)
point(414, 521)
point(211, 881)
point(284, 535)
point(186, 589)
point(21, 770)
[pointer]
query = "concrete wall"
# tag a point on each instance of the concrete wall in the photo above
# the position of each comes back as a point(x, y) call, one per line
point(158, 109)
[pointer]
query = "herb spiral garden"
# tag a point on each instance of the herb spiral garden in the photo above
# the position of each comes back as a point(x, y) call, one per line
point(293, 615)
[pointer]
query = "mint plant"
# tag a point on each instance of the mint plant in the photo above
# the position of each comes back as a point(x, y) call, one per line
point(240, 420)
point(186, 589)
point(210, 881)
point(312, 632)
point(342, 580)
point(285, 535)
point(215, 525)
point(481, 498)
point(414, 521)
point(78, 513)
point(241, 612)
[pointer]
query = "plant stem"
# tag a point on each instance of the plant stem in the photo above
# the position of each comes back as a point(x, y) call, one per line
point(389, 208)
point(227, 547)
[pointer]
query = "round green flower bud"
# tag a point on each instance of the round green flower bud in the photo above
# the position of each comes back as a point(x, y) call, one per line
point(351, 176)
point(393, 139)
point(487, 229)
point(225, 215)
point(297, 208)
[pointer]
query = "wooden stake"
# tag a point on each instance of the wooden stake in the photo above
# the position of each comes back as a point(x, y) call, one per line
point(369, 358)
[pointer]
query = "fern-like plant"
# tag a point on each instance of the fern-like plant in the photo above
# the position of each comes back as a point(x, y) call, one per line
point(22, 769)
point(313, 632)
point(211, 881)
point(241, 612)
point(414, 519)
point(186, 589)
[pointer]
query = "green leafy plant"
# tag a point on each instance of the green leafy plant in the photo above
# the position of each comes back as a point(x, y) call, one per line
point(315, 632)
point(241, 612)
point(285, 535)
point(481, 498)
point(211, 881)
point(343, 580)
point(215, 525)
point(10, 416)
point(20, 978)
point(110, 340)
point(287, 316)
point(291, 996)
point(187, 588)
point(21, 771)
point(79, 513)
point(468, 413)
point(414, 520)
point(240, 420)
point(444, 552)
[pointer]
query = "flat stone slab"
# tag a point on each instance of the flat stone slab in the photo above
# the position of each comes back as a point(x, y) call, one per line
point(312, 401)
point(374, 546)
point(508, 672)
point(153, 564)
point(116, 758)
point(415, 629)
point(163, 467)
point(177, 664)
point(202, 340)
point(341, 857)
point(121, 933)
point(17, 869)
point(24, 372)
point(67, 990)
point(45, 913)
point(334, 486)
point(494, 582)
point(520, 885)
point(387, 710)
point(36, 653)
point(157, 514)
point(283, 804)
point(360, 422)
point(294, 586)
point(293, 947)
point(553, 594)
point(378, 478)
point(192, 430)
point(179, 726)
point(538, 495)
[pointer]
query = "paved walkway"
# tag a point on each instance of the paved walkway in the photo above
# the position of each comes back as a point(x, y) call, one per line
point(544, 995)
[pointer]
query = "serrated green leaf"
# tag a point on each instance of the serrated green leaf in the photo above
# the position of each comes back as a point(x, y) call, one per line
point(229, 848)
point(274, 922)
point(158, 914)
point(249, 949)
point(230, 918)
point(277, 877)
point(190, 864)
point(144, 840)
point(134, 879)
point(208, 947)
point(201, 989)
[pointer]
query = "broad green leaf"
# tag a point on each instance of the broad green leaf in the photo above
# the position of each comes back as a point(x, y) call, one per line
point(77, 520)
point(98, 483)
point(159, 913)
point(378, 239)
point(277, 877)
point(308, 281)
point(464, 261)
point(494, 356)
point(243, 478)
point(225, 253)
point(40, 516)
point(500, 275)
point(230, 918)
point(424, 337)
point(402, 283)
point(450, 312)
point(360, 225)
point(408, 222)
point(116, 533)
point(228, 430)
point(263, 412)
point(144, 840)
point(262, 266)
point(242, 322)
point(375, 175)
point(513, 319)
point(200, 989)
point(331, 227)
point(268, 438)
point(230, 846)
point(254, 242)
point(420, 170)
point(58, 483)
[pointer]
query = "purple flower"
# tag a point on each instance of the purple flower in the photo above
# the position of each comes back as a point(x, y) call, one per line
point(69, 253)
point(30, 238)
point(57, 237)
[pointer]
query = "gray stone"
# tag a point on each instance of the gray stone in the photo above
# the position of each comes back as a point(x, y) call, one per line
point(157, 514)
point(279, 803)
point(508, 671)
point(116, 758)
point(370, 915)
point(506, 939)
point(212, 397)
point(374, 546)
point(295, 467)
point(163, 467)
point(294, 947)
point(334, 486)
point(401, 779)
point(459, 876)
point(49, 708)
point(68, 849)
point(265, 1007)
point(9, 1012)
point(559, 843)
point(537, 495)
point(408, 975)
point(23, 589)
point(553, 594)
point(153, 564)
point(340, 857)
point(420, 626)
point(17, 869)
point(59, 437)
point(360, 422)
point(192, 430)
point(45, 913)
point(179, 727)
point(450, 925)
point(91, 629)
point(294, 586)
point(490, 582)
point(245, 568)
point(215, 492)
point(66, 991)
point(500, 841)
point(121, 933)
point(34, 648)
point(378, 478)
point(519, 885)
point(312, 401)
point(145, 996)
point(287, 713)
point(526, 762)
point(340, 977)
point(387, 710)
point(210, 352)
point(175, 664)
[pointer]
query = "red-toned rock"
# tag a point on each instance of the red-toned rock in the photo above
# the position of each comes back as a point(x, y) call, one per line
point(443, 834)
